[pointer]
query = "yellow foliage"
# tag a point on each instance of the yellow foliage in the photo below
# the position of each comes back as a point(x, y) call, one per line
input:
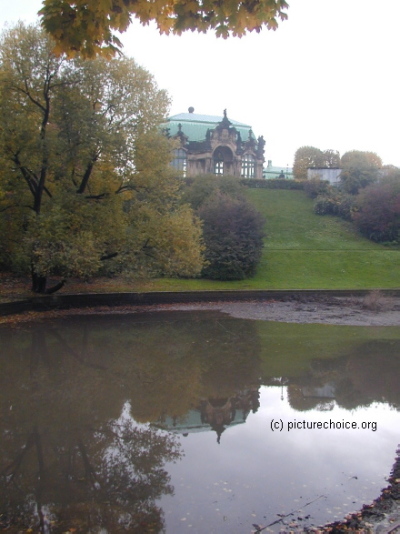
point(87, 26)
point(87, 178)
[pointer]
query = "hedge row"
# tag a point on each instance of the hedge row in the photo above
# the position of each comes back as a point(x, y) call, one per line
point(273, 184)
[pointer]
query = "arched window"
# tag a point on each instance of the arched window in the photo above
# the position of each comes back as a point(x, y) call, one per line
point(248, 166)
point(219, 167)
point(218, 162)
point(222, 159)
point(180, 161)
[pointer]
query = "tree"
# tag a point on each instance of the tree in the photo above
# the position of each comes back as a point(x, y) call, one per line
point(233, 235)
point(331, 159)
point(85, 172)
point(304, 158)
point(166, 235)
point(359, 170)
point(360, 160)
point(310, 157)
point(88, 26)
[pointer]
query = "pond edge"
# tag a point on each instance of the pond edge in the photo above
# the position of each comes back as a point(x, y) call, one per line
point(44, 303)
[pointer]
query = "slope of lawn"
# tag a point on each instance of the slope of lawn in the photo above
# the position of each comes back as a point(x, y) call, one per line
point(306, 251)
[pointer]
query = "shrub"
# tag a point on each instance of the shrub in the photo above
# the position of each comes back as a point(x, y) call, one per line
point(334, 202)
point(326, 205)
point(201, 188)
point(353, 180)
point(233, 236)
point(346, 206)
point(315, 187)
point(378, 211)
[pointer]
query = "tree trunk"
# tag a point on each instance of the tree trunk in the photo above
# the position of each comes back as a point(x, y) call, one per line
point(39, 284)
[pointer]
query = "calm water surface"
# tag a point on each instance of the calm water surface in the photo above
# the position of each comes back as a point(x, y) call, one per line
point(193, 422)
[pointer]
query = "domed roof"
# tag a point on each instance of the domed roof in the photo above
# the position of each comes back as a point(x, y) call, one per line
point(195, 125)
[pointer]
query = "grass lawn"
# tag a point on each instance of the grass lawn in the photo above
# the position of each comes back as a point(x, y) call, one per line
point(308, 251)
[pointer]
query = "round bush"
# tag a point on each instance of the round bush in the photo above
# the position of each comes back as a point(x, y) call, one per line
point(233, 236)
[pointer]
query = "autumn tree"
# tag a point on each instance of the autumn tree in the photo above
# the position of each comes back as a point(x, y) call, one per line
point(331, 159)
point(88, 26)
point(359, 169)
point(310, 157)
point(361, 160)
point(165, 234)
point(85, 180)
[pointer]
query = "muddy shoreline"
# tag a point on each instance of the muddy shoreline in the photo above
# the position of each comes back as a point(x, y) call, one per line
point(373, 310)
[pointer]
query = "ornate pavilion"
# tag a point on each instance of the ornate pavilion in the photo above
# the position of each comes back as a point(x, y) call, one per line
point(215, 145)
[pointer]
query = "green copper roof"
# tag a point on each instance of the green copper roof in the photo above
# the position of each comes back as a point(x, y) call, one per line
point(195, 126)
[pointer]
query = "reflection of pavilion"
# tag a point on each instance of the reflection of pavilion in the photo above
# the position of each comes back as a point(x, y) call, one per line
point(214, 413)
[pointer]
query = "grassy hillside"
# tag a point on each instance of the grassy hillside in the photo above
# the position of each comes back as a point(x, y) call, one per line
point(307, 251)
point(304, 250)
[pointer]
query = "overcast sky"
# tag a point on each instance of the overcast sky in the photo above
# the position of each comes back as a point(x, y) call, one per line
point(328, 77)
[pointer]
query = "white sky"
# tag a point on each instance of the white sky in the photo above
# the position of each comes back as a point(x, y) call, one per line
point(328, 77)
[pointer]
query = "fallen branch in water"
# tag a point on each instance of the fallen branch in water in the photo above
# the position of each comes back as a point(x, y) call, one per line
point(282, 517)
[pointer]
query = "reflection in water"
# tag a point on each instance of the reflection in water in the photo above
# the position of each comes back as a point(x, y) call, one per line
point(367, 373)
point(104, 475)
point(215, 413)
point(92, 408)
point(68, 457)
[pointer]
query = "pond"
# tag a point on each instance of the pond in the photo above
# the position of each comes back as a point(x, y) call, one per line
point(193, 422)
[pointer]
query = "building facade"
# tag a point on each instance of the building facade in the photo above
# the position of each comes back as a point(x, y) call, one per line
point(215, 145)
point(272, 172)
point(330, 175)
